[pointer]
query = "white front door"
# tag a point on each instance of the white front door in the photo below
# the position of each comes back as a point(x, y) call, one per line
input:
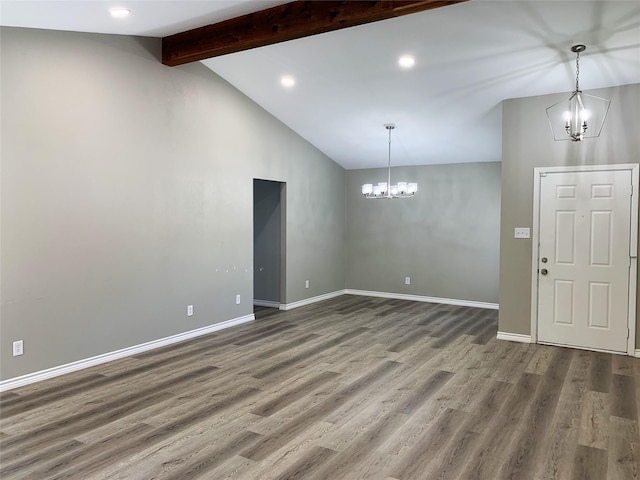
point(584, 258)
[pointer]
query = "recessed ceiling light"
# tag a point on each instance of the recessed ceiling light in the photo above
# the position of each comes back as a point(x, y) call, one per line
point(406, 61)
point(119, 12)
point(287, 81)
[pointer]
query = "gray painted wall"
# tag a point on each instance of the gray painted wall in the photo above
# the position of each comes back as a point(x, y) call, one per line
point(527, 143)
point(267, 226)
point(445, 238)
point(127, 193)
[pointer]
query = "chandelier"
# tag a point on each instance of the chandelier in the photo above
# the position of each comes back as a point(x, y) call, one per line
point(582, 115)
point(385, 189)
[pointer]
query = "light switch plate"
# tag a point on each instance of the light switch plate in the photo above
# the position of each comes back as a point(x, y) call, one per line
point(522, 233)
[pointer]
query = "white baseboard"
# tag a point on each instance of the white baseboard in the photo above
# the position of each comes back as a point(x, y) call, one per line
point(16, 382)
point(514, 337)
point(421, 298)
point(636, 353)
point(309, 301)
point(266, 303)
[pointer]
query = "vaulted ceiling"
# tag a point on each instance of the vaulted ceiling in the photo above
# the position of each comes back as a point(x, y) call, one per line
point(468, 58)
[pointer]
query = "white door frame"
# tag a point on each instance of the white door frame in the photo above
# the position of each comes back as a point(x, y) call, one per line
point(633, 245)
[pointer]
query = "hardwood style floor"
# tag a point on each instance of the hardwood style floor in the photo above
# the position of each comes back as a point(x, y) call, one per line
point(350, 388)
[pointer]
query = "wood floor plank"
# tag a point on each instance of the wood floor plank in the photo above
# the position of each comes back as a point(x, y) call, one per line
point(305, 355)
point(514, 364)
point(292, 395)
point(474, 382)
point(589, 464)
point(455, 455)
point(488, 405)
point(77, 424)
point(289, 454)
point(432, 315)
point(65, 460)
point(408, 339)
point(94, 464)
point(486, 335)
point(622, 365)
point(198, 448)
point(600, 377)
point(540, 360)
point(524, 392)
point(289, 431)
point(350, 360)
point(308, 464)
point(361, 448)
point(553, 458)
point(36, 399)
point(623, 397)
point(111, 408)
point(427, 449)
point(233, 469)
point(423, 391)
point(595, 424)
point(28, 459)
point(284, 347)
point(502, 433)
point(211, 458)
point(623, 449)
point(348, 388)
point(5, 397)
point(456, 358)
point(521, 463)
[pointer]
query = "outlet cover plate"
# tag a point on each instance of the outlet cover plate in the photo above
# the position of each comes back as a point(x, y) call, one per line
point(189, 310)
point(18, 348)
point(238, 299)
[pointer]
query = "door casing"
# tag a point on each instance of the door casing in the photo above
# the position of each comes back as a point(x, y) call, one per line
point(633, 244)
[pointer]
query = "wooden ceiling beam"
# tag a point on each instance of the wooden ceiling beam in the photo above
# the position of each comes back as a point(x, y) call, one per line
point(282, 23)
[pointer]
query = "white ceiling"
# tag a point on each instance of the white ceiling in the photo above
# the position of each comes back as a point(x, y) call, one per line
point(469, 57)
point(149, 18)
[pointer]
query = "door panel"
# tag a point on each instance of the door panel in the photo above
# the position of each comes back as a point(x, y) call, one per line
point(601, 238)
point(563, 302)
point(565, 237)
point(584, 233)
point(599, 304)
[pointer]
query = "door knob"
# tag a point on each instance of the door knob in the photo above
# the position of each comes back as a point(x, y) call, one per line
point(544, 260)
point(543, 271)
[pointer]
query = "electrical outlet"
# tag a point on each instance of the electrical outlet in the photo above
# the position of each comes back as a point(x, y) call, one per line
point(407, 280)
point(238, 299)
point(306, 284)
point(189, 310)
point(18, 348)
